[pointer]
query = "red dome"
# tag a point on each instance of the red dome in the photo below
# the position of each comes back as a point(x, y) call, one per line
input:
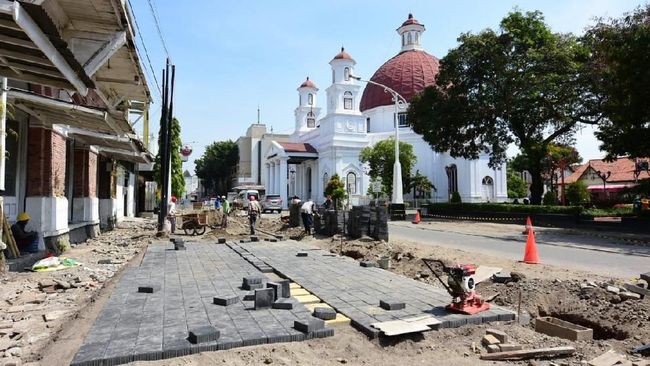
point(343, 55)
point(308, 84)
point(410, 20)
point(408, 73)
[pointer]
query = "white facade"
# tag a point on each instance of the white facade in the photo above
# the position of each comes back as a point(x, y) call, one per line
point(344, 130)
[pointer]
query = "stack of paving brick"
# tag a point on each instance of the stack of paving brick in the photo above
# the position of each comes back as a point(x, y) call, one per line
point(294, 215)
point(353, 226)
point(380, 223)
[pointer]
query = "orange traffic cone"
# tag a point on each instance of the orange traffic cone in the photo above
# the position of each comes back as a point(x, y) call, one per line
point(530, 256)
point(529, 226)
point(416, 220)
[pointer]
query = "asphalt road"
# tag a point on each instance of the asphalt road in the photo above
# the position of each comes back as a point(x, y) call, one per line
point(618, 260)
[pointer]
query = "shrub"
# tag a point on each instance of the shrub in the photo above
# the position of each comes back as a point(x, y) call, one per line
point(504, 208)
point(550, 199)
point(455, 198)
point(577, 193)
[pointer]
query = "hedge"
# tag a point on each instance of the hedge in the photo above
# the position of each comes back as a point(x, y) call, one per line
point(504, 208)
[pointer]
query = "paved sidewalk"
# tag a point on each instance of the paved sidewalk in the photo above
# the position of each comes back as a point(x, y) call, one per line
point(356, 291)
point(149, 326)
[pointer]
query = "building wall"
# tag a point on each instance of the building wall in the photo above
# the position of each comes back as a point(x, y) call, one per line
point(47, 163)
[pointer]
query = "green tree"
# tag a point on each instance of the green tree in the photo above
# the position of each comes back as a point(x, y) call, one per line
point(577, 193)
point(558, 155)
point(455, 198)
point(336, 189)
point(517, 187)
point(550, 199)
point(381, 158)
point(421, 184)
point(177, 181)
point(522, 84)
point(620, 50)
point(217, 167)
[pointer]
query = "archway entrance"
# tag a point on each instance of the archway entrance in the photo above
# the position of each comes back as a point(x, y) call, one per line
point(488, 189)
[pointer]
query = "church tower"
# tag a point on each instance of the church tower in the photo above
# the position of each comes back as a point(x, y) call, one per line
point(307, 112)
point(411, 32)
point(343, 94)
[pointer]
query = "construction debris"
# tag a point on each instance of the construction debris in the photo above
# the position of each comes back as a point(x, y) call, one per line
point(563, 329)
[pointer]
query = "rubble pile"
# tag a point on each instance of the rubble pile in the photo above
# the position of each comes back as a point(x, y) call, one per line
point(35, 305)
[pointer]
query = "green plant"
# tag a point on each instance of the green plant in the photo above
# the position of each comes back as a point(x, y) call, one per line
point(381, 158)
point(455, 198)
point(550, 199)
point(178, 181)
point(336, 189)
point(577, 193)
point(505, 208)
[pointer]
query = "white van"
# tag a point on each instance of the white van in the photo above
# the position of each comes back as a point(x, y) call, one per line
point(244, 196)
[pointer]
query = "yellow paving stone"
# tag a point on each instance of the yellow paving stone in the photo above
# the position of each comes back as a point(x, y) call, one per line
point(339, 320)
point(299, 291)
point(307, 299)
point(294, 285)
point(318, 305)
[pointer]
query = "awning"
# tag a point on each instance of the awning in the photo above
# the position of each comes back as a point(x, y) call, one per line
point(610, 187)
point(32, 50)
point(127, 155)
point(54, 111)
point(102, 140)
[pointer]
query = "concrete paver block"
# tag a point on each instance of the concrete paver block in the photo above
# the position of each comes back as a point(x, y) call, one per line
point(636, 289)
point(225, 300)
point(148, 289)
point(492, 348)
point(284, 304)
point(307, 299)
point(221, 240)
point(264, 298)
point(390, 304)
point(325, 313)
point(302, 254)
point(498, 334)
point(309, 325)
point(255, 238)
point(367, 264)
point(507, 347)
point(203, 334)
point(645, 276)
point(489, 339)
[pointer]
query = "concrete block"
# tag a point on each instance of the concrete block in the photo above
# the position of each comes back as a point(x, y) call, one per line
point(489, 339)
point(178, 246)
point(302, 254)
point(507, 347)
point(255, 238)
point(645, 276)
point(273, 240)
point(636, 289)
point(498, 334)
point(390, 304)
point(627, 295)
point(202, 334)
point(283, 304)
point(309, 325)
point(501, 277)
point(253, 282)
point(225, 300)
point(148, 289)
point(367, 264)
point(264, 298)
point(562, 329)
point(249, 297)
point(221, 240)
point(324, 313)
point(492, 348)
point(613, 289)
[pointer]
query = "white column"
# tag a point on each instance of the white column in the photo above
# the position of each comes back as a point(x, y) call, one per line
point(266, 177)
point(278, 188)
point(283, 180)
point(272, 178)
point(299, 180)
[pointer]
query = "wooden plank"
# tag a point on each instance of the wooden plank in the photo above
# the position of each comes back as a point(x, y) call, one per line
point(485, 272)
point(407, 325)
point(26, 57)
point(529, 353)
point(4, 23)
point(17, 42)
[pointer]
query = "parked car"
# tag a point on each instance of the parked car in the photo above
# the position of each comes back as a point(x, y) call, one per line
point(272, 202)
point(244, 196)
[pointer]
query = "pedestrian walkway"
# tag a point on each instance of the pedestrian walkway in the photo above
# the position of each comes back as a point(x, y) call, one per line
point(149, 326)
point(356, 291)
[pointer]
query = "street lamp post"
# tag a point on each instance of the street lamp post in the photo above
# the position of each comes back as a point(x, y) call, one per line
point(400, 103)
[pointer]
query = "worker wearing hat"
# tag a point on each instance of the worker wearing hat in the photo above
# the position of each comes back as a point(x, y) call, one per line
point(27, 241)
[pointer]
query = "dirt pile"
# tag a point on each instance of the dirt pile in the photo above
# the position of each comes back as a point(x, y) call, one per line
point(267, 225)
point(35, 305)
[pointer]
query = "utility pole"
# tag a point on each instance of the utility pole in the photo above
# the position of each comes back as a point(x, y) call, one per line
point(165, 140)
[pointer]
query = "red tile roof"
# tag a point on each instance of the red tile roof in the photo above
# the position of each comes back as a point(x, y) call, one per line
point(410, 20)
point(308, 84)
point(622, 170)
point(297, 147)
point(343, 55)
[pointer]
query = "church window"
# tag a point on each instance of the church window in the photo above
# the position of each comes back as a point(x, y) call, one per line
point(401, 118)
point(368, 124)
point(333, 76)
point(409, 38)
point(311, 120)
point(347, 100)
point(310, 99)
point(299, 99)
point(351, 183)
point(326, 180)
point(452, 179)
point(346, 74)
point(403, 39)
point(487, 181)
point(417, 38)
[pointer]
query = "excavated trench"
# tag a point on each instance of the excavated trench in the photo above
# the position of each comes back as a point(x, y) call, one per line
point(601, 331)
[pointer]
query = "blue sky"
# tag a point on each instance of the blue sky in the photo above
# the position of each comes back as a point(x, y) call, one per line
point(233, 56)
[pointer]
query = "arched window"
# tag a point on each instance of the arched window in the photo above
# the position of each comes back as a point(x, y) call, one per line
point(310, 99)
point(347, 100)
point(346, 74)
point(488, 189)
point(367, 124)
point(326, 180)
point(409, 39)
point(299, 99)
point(417, 38)
point(333, 76)
point(488, 180)
point(452, 179)
point(403, 39)
point(351, 183)
point(311, 120)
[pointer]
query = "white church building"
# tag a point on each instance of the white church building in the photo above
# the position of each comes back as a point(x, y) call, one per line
point(354, 118)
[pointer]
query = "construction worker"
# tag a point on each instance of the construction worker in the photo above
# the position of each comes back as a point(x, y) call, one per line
point(171, 213)
point(226, 211)
point(27, 241)
point(307, 213)
point(254, 211)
